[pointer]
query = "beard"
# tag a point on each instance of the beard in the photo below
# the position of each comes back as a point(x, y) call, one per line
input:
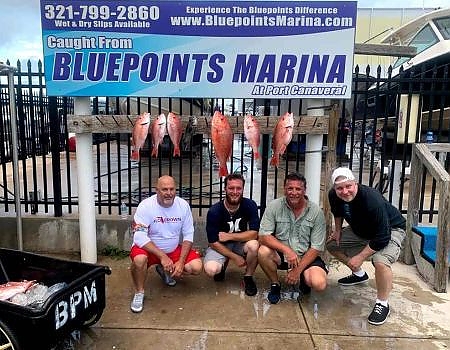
point(233, 200)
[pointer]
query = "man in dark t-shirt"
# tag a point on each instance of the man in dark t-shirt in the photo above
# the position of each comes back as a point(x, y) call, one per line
point(232, 227)
point(375, 230)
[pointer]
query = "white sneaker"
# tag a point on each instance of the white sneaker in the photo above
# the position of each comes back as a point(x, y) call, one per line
point(167, 279)
point(137, 304)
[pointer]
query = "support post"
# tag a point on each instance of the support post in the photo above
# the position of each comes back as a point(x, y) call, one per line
point(313, 156)
point(330, 163)
point(85, 177)
point(15, 153)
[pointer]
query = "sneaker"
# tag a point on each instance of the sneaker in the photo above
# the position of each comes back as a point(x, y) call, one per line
point(167, 279)
point(303, 288)
point(379, 314)
point(275, 293)
point(219, 277)
point(353, 279)
point(249, 286)
point(137, 304)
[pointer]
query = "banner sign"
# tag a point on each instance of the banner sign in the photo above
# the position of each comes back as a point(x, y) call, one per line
point(223, 49)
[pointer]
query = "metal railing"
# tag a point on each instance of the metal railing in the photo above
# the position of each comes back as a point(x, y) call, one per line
point(368, 141)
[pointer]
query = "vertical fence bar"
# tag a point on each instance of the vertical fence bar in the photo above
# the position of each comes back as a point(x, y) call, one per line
point(21, 119)
point(264, 162)
point(56, 159)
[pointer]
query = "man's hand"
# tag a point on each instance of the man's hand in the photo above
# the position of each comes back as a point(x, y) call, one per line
point(355, 262)
point(224, 236)
point(293, 276)
point(335, 236)
point(167, 264)
point(291, 258)
point(178, 269)
point(239, 260)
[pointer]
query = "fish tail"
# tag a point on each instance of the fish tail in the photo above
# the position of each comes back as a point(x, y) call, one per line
point(176, 151)
point(223, 170)
point(155, 152)
point(135, 155)
point(275, 161)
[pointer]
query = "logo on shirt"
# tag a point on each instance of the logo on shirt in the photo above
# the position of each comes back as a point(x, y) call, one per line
point(234, 226)
point(164, 220)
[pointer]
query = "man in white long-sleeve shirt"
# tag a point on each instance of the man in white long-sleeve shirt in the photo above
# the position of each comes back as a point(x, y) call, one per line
point(159, 222)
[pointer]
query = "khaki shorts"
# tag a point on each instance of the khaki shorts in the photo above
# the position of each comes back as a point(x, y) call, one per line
point(351, 244)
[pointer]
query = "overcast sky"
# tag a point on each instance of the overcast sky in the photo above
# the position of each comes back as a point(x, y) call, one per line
point(20, 26)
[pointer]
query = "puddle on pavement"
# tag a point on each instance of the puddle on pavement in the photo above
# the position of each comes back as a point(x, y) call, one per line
point(260, 303)
point(416, 294)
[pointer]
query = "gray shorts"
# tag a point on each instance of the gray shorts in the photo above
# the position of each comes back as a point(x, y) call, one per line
point(213, 255)
point(350, 245)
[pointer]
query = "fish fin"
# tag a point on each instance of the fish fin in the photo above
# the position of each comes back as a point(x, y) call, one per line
point(256, 155)
point(223, 170)
point(155, 152)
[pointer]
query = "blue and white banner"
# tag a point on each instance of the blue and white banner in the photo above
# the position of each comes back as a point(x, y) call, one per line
point(229, 49)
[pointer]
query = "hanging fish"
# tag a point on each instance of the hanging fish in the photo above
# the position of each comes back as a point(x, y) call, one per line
point(158, 130)
point(282, 135)
point(252, 133)
point(222, 140)
point(139, 134)
point(175, 131)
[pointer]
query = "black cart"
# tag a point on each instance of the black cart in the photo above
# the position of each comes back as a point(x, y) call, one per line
point(78, 305)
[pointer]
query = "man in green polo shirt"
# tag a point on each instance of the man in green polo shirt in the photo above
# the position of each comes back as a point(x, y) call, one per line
point(292, 235)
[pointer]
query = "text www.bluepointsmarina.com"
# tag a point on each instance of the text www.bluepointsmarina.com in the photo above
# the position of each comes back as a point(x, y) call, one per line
point(261, 21)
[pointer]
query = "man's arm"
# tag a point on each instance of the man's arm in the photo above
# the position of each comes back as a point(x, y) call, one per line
point(238, 236)
point(381, 239)
point(336, 233)
point(273, 243)
point(186, 247)
point(293, 276)
point(166, 262)
point(355, 262)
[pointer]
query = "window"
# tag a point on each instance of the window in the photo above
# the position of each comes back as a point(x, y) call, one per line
point(424, 39)
point(443, 24)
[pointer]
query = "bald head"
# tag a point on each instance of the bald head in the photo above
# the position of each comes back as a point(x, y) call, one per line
point(165, 191)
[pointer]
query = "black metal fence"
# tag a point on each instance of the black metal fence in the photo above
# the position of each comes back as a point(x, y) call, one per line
point(368, 141)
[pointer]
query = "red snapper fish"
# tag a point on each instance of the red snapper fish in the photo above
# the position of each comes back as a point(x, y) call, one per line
point(222, 140)
point(282, 135)
point(158, 130)
point(8, 290)
point(252, 133)
point(174, 129)
point(139, 134)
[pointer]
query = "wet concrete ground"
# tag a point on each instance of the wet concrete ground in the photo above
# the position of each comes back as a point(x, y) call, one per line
point(200, 314)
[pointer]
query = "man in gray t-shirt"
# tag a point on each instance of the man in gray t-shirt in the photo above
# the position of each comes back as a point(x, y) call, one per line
point(292, 234)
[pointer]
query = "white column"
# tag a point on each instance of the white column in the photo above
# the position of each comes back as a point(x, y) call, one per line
point(15, 152)
point(313, 156)
point(85, 176)
point(396, 184)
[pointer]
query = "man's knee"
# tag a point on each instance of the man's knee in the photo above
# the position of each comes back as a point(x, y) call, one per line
point(252, 247)
point(212, 268)
point(316, 278)
point(264, 253)
point(319, 285)
point(382, 266)
point(194, 267)
point(139, 262)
